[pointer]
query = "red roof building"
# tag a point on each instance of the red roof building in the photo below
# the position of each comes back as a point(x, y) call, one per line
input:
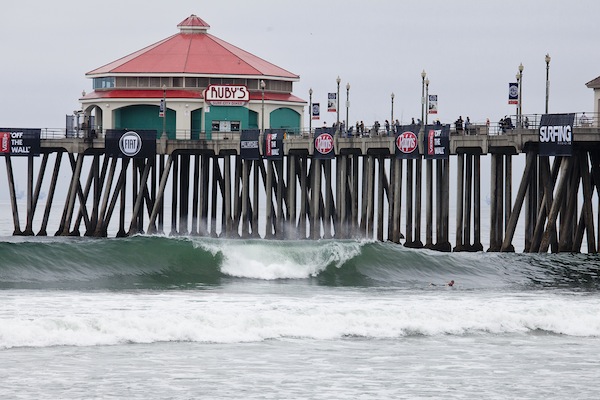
point(207, 84)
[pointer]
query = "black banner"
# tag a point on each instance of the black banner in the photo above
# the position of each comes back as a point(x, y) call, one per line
point(249, 144)
point(273, 144)
point(556, 134)
point(19, 142)
point(324, 144)
point(407, 142)
point(131, 144)
point(436, 142)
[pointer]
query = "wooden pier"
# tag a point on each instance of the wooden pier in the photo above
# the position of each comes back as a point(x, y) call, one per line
point(205, 188)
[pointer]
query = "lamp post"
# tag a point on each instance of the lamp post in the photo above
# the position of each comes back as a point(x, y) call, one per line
point(347, 106)
point(520, 83)
point(310, 92)
point(262, 109)
point(426, 100)
point(547, 59)
point(392, 114)
point(423, 75)
point(164, 110)
point(337, 105)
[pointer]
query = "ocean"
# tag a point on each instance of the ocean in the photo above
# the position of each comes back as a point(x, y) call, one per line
point(159, 317)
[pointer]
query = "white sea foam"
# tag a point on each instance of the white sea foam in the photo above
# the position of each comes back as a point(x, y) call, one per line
point(42, 320)
point(270, 260)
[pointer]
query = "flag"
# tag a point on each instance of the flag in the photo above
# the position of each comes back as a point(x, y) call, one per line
point(432, 104)
point(513, 93)
point(316, 110)
point(331, 102)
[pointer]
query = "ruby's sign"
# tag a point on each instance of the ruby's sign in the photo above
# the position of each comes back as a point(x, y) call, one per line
point(227, 95)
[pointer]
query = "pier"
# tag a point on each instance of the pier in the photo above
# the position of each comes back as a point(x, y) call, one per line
point(205, 187)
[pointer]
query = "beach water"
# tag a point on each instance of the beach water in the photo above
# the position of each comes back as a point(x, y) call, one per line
point(185, 318)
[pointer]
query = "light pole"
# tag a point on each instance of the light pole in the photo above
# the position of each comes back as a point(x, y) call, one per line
point(262, 109)
point(347, 106)
point(547, 59)
point(337, 105)
point(520, 82)
point(164, 132)
point(423, 75)
point(426, 100)
point(310, 92)
point(392, 115)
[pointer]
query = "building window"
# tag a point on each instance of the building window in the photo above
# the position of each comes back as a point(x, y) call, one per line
point(226, 126)
point(177, 82)
point(191, 82)
point(143, 81)
point(131, 81)
point(154, 81)
point(104, 83)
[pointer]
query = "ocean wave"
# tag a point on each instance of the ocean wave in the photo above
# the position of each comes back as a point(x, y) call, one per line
point(163, 262)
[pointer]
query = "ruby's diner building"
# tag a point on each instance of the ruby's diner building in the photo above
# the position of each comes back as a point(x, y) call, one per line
point(210, 88)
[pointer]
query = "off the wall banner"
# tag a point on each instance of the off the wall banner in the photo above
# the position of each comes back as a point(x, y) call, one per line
point(130, 144)
point(316, 110)
point(324, 144)
point(273, 144)
point(407, 142)
point(332, 102)
point(249, 144)
point(556, 134)
point(513, 93)
point(433, 105)
point(19, 142)
point(436, 142)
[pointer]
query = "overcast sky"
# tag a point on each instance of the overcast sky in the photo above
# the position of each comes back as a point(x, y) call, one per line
point(470, 49)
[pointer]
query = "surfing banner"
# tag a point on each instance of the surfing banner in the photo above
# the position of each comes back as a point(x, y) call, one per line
point(556, 134)
point(273, 144)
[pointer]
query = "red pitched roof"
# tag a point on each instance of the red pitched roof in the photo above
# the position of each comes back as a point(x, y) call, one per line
point(193, 51)
point(180, 94)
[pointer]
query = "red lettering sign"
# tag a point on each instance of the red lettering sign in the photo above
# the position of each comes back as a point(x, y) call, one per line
point(324, 143)
point(407, 142)
point(4, 142)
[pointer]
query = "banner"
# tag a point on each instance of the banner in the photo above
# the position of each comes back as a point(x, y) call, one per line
point(324, 144)
point(432, 104)
point(249, 144)
point(273, 144)
point(407, 142)
point(331, 102)
point(556, 134)
point(436, 142)
point(130, 144)
point(513, 93)
point(20, 142)
point(316, 110)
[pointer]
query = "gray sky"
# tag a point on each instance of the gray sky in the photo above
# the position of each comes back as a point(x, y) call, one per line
point(470, 50)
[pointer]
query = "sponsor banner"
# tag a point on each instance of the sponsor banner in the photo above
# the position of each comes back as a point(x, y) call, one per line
point(324, 144)
point(161, 109)
point(249, 144)
point(513, 93)
point(273, 144)
point(316, 110)
point(432, 107)
point(19, 142)
point(227, 95)
point(130, 144)
point(332, 102)
point(407, 142)
point(556, 134)
point(436, 142)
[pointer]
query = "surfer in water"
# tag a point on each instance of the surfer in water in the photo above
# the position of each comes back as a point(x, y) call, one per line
point(450, 284)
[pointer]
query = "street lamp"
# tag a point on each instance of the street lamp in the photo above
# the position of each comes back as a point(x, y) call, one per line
point(262, 109)
point(426, 100)
point(164, 110)
point(392, 115)
point(310, 92)
point(347, 105)
point(547, 59)
point(423, 75)
point(337, 105)
point(520, 80)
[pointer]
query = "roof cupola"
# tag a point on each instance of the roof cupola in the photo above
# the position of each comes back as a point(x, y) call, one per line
point(193, 24)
